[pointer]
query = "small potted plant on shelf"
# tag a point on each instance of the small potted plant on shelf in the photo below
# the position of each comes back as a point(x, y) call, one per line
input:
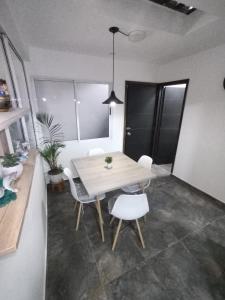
point(51, 145)
point(108, 161)
point(11, 164)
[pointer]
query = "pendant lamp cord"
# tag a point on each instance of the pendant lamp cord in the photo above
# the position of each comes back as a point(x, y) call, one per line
point(113, 61)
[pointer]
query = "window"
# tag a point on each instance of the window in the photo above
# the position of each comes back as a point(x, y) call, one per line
point(77, 106)
point(93, 115)
point(12, 71)
point(22, 94)
point(17, 135)
point(57, 98)
point(4, 73)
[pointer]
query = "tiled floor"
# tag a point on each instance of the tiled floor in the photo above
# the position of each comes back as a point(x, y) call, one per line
point(161, 170)
point(184, 256)
point(167, 167)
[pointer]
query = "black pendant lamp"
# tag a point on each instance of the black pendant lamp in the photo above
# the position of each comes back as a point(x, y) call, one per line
point(112, 100)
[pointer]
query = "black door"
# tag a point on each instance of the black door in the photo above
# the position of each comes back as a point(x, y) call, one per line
point(140, 119)
point(168, 123)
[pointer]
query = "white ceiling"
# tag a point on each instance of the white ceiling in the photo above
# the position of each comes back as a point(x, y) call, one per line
point(82, 26)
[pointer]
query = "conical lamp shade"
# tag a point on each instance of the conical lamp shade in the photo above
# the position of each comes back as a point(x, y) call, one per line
point(112, 99)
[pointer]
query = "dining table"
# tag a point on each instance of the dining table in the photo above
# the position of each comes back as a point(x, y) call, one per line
point(98, 179)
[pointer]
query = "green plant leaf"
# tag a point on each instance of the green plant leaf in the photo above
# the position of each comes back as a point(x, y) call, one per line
point(52, 141)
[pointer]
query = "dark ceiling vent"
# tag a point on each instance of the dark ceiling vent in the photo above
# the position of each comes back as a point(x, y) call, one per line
point(177, 6)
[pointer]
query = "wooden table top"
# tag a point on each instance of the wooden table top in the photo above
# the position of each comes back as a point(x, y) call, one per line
point(97, 179)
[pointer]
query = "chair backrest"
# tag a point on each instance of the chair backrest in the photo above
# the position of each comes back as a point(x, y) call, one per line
point(96, 151)
point(130, 207)
point(73, 189)
point(145, 161)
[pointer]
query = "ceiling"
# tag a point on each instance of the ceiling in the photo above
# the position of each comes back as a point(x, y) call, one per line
point(81, 26)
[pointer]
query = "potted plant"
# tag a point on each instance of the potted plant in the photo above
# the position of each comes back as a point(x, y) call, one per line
point(52, 143)
point(108, 161)
point(11, 164)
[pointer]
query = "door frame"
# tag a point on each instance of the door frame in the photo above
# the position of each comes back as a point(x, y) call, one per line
point(145, 83)
point(159, 87)
point(159, 115)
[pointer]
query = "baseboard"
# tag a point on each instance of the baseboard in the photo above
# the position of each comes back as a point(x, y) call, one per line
point(219, 202)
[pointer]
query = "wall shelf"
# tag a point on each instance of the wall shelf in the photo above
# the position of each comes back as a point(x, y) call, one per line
point(12, 215)
point(7, 118)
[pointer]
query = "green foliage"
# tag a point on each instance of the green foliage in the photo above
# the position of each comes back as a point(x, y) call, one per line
point(53, 131)
point(108, 159)
point(10, 160)
point(52, 142)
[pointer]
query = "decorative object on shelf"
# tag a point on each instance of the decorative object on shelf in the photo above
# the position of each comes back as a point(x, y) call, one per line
point(5, 103)
point(52, 143)
point(22, 150)
point(108, 161)
point(113, 100)
point(8, 181)
point(5, 195)
point(11, 165)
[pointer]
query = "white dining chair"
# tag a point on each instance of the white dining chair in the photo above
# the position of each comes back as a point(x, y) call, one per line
point(95, 151)
point(128, 208)
point(82, 199)
point(146, 162)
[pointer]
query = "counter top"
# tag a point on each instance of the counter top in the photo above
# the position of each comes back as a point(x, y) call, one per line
point(12, 215)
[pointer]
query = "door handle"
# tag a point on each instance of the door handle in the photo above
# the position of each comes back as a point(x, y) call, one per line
point(128, 128)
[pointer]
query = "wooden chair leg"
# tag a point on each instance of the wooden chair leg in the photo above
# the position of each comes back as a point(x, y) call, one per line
point(112, 220)
point(98, 206)
point(145, 218)
point(78, 216)
point(75, 206)
point(140, 234)
point(117, 234)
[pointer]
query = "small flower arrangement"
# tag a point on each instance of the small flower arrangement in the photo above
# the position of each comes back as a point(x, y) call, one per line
point(108, 160)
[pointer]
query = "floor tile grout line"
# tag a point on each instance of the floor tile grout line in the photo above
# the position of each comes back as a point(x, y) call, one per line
point(192, 255)
point(201, 228)
point(99, 274)
point(187, 235)
point(146, 259)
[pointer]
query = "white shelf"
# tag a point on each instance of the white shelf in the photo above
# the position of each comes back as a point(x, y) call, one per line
point(12, 214)
point(7, 118)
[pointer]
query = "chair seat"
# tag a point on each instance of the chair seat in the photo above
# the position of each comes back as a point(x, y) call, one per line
point(129, 207)
point(83, 195)
point(134, 188)
point(130, 189)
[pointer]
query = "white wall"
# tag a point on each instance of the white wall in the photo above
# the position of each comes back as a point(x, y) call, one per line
point(22, 273)
point(200, 158)
point(55, 64)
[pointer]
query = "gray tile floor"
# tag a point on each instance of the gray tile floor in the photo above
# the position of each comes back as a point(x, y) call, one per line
point(184, 256)
point(161, 170)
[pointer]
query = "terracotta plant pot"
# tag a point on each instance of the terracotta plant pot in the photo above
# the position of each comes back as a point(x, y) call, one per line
point(18, 169)
point(5, 103)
